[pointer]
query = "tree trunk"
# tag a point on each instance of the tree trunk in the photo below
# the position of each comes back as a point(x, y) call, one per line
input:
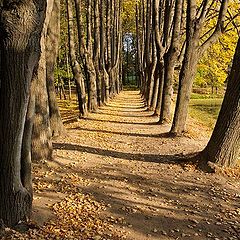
point(92, 85)
point(41, 138)
point(104, 74)
point(152, 73)
point(76, 69)
point(162, 21)
point(155, 89)
point(224, 145)
point(193, 52)
point(118, 59)
point(160, 88)
point(96, 52)
point(138, 48)
point(86, 53)
point(21, 27)
point(187, 75)
point(148, 51)
point(52, 43)
point(170, 61)
point(108, 59)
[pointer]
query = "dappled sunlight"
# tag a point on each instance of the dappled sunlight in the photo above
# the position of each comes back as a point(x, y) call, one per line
point(121, 156)
point(118, 174)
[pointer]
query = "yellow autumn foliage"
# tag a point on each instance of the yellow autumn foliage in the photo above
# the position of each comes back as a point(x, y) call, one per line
point(129, 15)
point(215, 64)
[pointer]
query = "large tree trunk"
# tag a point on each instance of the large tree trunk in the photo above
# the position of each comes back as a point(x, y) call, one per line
point(194, 50)
point(162, 22)
point(224, 145)
point(21, 27)
point(41, 138)
point(52, 43)
point(170, 61)
point(187, 75)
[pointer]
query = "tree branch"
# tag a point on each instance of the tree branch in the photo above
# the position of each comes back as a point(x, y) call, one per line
point(218, 30)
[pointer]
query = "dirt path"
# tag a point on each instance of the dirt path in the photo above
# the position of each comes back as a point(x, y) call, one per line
point(122, 158)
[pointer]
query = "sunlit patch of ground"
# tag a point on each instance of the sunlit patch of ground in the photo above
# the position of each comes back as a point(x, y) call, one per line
point(117, 175)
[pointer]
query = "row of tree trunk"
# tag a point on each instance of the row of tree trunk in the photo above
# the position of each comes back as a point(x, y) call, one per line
point(97, 70)
point(29, 113)
point(171, 38)
point(172, 35)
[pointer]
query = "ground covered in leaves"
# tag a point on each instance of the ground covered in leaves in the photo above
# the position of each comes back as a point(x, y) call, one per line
point(117, 175)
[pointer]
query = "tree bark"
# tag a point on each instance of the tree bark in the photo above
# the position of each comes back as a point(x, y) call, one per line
point(76, 69)
point(41, 138)
point(96, 53)
point(21, 27)
point(193, 52)
point(224, 145)
point(86, 52)
point(163, 18)
point(52, 43)
point(104, 73)
point(169, 63)
point(92, 84)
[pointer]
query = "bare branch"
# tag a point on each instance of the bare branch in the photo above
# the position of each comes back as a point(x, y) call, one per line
point(219, 28)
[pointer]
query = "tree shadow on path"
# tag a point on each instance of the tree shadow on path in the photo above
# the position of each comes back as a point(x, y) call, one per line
point(176, 158)
point(155, 193)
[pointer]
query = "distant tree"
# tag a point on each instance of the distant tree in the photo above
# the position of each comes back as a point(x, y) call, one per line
point(76, 68)
point(103, 48)
point(89, 61)
point(97, 50)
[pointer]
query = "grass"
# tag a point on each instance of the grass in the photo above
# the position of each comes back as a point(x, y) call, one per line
point(206, 96)
point(205, 110)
